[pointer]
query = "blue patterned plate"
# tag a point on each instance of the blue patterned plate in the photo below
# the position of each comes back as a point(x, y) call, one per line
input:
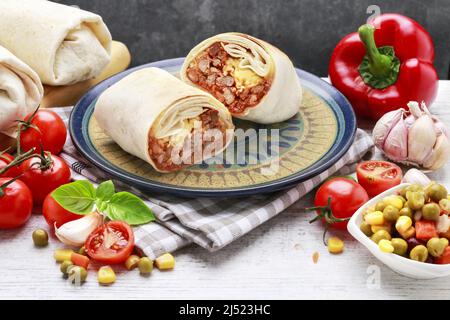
point(308, 144)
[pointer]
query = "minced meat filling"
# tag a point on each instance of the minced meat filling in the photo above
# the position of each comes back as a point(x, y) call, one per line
point(160, 150)
point(211, 71)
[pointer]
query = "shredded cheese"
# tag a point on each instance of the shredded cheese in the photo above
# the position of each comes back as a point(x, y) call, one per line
point(244, 77)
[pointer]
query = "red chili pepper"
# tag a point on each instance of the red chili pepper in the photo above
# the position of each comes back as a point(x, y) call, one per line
point(384, 65)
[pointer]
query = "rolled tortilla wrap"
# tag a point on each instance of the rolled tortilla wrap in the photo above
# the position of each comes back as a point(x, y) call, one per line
point(154, 116)
point(255, 80)
point(63, 44)
point(20, 91)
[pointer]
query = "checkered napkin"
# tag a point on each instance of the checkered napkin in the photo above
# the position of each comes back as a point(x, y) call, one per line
point(209, 223)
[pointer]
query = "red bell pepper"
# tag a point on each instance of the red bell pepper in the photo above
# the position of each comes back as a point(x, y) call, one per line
point(445, 258)
point(425, 230)
point(384, 65)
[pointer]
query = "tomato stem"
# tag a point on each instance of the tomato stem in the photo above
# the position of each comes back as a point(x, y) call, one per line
point(6, 184)
point(24, 125)
point(327, 214)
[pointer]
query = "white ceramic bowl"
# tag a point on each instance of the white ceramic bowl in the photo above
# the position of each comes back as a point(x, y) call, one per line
point(401, 265)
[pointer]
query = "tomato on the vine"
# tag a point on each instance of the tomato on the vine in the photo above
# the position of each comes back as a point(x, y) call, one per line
point(45, 128)
point(337, 200)
point(5, 159)
point(111, 243)
point(16, 203)
point(54, 214)
point(42, 181)
point(376, 176)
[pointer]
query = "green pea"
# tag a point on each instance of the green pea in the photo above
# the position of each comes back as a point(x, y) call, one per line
point(82, 251)
point(65, 266)
point(400, 246)
point(437, 246)
point(419, 253)
point(445, 204)
point(406, 211)
point(391, 213)
point(416, 199)
point(413, 187)
point(77, 274)
point(380, 206)
point(366, 228)
point(40, 238)
point(436, 192)
point(431, 211)
point(380, 235)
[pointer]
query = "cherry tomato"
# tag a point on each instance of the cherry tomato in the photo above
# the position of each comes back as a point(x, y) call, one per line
point(377, 176)
point(52, 132)
point(42, 182)
point(5, 159)
point(54, 214)
point(16, 204)
point(346, 197)
point(111, 243)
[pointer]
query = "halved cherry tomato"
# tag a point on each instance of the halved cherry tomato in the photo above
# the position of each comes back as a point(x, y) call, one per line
point(54, 214)
point(42, 182)
point(345, 196)
point(79, 260)
point(16, 204)
point(52, 132)
point(5, 159)
point(377, 176)
point(445, 258)
point(110, 243)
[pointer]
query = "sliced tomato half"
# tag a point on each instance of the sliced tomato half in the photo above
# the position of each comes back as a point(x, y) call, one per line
point(376, 176)
point(111, 243)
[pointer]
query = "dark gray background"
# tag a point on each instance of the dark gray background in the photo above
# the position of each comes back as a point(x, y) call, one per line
point(307, 30)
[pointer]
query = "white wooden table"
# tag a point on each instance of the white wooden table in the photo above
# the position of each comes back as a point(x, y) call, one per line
point(272, 262)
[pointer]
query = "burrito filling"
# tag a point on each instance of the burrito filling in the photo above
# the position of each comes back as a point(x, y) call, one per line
point(195, 136)
point(233, 83)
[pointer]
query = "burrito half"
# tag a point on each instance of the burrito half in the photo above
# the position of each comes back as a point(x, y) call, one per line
point(20, 91)
point(63, 44)
point(255, 80)
point(154, 116)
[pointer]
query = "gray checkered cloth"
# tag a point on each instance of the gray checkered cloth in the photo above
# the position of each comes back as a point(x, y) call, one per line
point(209, 223)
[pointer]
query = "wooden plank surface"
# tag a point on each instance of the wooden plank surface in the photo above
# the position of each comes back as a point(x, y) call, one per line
point(272, 262)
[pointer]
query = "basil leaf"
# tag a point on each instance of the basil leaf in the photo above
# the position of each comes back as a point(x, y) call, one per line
point(127, 207)
point(105, 191)
point(77, 197)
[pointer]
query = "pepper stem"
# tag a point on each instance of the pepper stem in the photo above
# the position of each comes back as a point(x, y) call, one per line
point(380, 67)
point(380, 64)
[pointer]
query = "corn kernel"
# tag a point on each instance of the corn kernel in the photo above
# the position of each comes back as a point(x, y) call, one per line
point(368, 210)
point(335, 245)
point(395, 201)
point(387, 227)
point(374, 218)
point(61, 255)
point(106, 275)
point(403, 223)
point(164, 262)
point(409, 233)
point(386, 246)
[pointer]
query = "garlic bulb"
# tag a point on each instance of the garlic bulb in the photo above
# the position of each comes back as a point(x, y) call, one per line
point(413, 137)
point(75, 233)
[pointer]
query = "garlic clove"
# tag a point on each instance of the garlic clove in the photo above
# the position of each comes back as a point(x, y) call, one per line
point(440, 128)
point(439, 155)
point(421, 139)
point(396, 144)
point(384, 126)
point(416, 176)
point(75, 233)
